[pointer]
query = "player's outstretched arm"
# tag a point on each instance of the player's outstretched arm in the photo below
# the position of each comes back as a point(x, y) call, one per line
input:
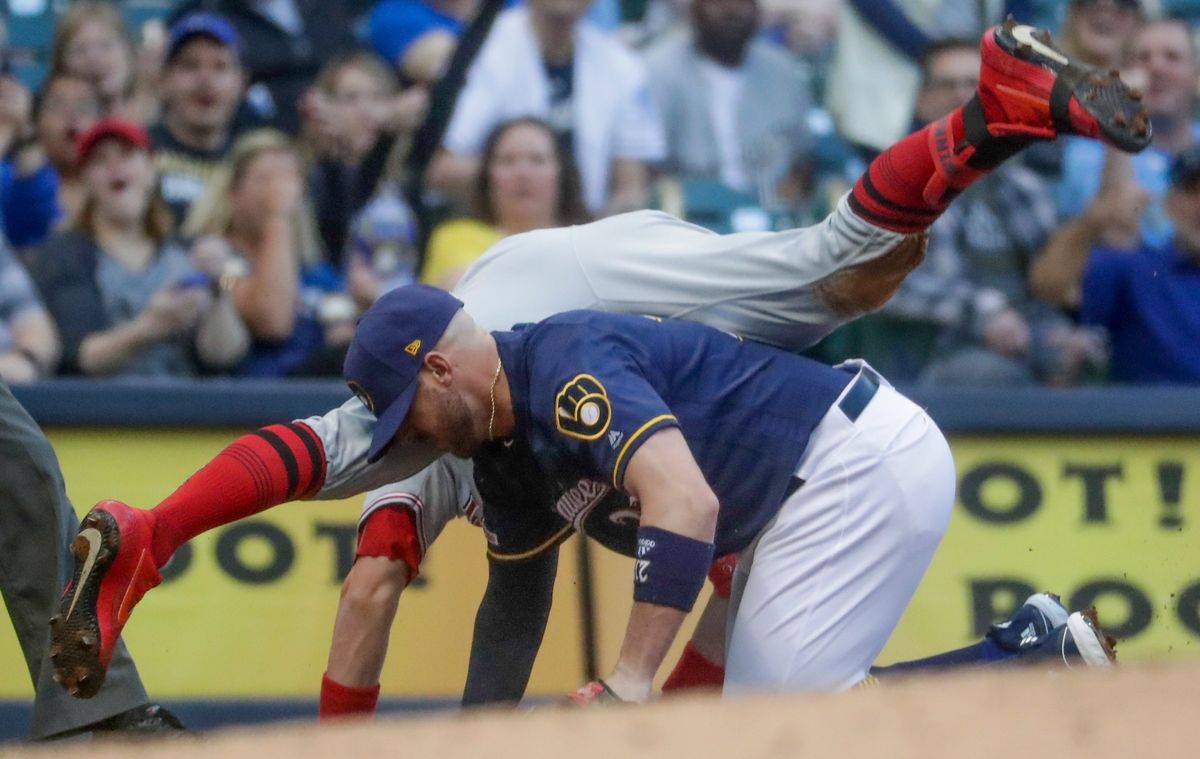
point(675, 550)
point(509, 627)
point(370, 596)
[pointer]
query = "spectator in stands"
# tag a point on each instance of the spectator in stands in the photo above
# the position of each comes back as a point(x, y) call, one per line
point(528, 181)
point(202, 85)
point(284, 45)
point(29, 346)
point(289, 296)
point(418, 36)
point(545, 60)
point(733, 107)
point(1164, 56)
point(354, 120)
point(1098, 31)
point(1148, 296)
point(91, 42)
point(39, 181)
point(964, 315)
point(126, 298)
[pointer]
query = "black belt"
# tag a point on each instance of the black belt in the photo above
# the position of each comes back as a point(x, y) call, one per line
point(862, 389)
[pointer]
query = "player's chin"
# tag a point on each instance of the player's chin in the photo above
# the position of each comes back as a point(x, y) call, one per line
point(463, 447)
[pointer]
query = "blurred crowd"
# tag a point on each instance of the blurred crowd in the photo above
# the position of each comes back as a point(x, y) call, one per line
point(220, 187)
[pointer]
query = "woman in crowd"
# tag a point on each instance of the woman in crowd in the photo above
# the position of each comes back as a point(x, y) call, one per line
point(357, 127)
point(91, 42)
point(40, 181)
point(527, 182)
point(127, 299)
point(288, 295)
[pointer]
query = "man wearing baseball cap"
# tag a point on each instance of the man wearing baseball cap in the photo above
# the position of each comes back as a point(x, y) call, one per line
point(202, 87)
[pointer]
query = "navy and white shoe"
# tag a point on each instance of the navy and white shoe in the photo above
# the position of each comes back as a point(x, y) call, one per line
point(1038, 617)
point(1081, 639)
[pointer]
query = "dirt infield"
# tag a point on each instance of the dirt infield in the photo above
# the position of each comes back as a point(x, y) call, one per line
point(1146, 711)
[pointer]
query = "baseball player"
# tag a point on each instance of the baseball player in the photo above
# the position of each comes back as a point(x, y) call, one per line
point(787, 289)
point(833, 488)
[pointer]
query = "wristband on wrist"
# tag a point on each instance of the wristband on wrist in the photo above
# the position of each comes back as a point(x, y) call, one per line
point(670, 569)
point(342, 700)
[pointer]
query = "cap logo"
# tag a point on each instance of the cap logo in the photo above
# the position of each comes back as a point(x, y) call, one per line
point(412, 348)
point(362, 395)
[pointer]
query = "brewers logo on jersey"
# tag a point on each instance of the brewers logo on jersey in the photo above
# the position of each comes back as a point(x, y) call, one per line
point(582, 409)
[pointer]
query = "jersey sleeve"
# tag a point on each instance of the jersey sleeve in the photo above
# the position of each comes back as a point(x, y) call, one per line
point(592, 401)
point(435, 496)
point(345, 434)
point(519, 519)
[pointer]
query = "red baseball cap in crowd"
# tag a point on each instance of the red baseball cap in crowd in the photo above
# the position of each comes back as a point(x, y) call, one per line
point(122, 129)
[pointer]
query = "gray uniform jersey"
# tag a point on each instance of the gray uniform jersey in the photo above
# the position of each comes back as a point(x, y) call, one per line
point(766, 286)
point(438, 493)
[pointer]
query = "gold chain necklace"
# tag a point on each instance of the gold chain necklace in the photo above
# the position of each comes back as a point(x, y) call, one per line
point(492, 419)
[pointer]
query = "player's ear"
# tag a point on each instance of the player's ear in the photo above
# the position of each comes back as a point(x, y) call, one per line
point(438, 365)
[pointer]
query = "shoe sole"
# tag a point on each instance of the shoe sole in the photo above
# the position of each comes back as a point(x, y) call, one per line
point(75, 630)
point(1050, 607)
point(1095, 648)
point(1116, 107)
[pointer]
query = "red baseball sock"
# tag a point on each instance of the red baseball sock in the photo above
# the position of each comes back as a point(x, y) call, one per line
point(908, 186)
point(339, 700)
point(694, 670)
point(257, 471)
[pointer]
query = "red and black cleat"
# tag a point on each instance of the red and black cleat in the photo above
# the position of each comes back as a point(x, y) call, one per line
point(113, 570)
point(1030, 88)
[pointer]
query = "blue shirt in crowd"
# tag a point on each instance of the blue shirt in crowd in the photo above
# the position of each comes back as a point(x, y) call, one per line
point(1083, 168)
point(292, 355)
point(590, 388)
point(1149, 300)
point(28, 205)
point(396, 24)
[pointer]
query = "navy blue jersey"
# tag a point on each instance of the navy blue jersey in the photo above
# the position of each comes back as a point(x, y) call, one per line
point(589, 388)
point(525, 510)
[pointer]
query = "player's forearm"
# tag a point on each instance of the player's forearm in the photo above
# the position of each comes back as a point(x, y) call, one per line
point(365, 612)
point(509, 628)
point(652, 629)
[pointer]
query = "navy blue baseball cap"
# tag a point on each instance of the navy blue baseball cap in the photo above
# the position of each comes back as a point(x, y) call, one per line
point(201, 24)
point(388, 351)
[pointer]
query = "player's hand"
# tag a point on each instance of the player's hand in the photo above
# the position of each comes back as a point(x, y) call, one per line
point(594, 693)
point(1007, 333)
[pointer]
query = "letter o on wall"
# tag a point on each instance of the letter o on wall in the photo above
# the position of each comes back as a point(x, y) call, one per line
point(1029, 493)
point(282, 552)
